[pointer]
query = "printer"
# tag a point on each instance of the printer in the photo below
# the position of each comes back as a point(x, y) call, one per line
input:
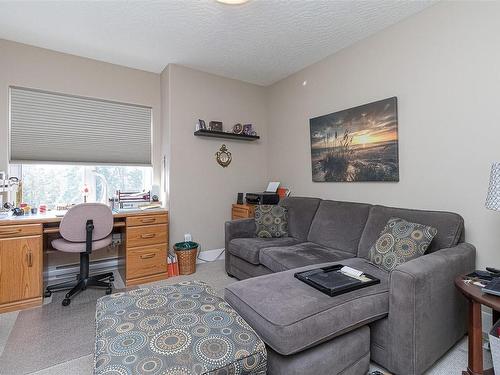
point(262, 198)
point(270, 196)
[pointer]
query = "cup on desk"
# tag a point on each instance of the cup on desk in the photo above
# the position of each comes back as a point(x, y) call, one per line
point(42, 208)
point(34, 210)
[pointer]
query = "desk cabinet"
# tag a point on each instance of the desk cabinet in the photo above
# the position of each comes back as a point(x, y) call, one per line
point(146, 248)
point(143, 253)
point(20, 267)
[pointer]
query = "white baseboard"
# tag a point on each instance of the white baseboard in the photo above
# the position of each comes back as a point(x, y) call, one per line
point(210, 255)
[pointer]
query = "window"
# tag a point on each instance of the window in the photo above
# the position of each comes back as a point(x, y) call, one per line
point(62, 185)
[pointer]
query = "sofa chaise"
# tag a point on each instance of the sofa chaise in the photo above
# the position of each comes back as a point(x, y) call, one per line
point(405, 323)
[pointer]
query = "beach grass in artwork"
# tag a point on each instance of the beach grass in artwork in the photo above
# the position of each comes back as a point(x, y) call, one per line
point(356, 144)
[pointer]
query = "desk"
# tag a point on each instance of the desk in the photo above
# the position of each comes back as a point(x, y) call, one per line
point(143, 250)
point(477, 298)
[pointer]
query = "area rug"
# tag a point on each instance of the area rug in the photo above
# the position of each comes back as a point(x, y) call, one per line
point(45, 336)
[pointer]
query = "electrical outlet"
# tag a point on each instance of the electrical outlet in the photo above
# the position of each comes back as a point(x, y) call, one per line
point(188, 237)
point(116, 239)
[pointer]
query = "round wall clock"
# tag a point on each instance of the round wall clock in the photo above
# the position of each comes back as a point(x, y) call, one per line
point(223, 156)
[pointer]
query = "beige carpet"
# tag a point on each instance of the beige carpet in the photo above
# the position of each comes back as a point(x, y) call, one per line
point(56, 340)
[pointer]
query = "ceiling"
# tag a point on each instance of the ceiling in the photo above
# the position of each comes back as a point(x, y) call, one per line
point(261, 41)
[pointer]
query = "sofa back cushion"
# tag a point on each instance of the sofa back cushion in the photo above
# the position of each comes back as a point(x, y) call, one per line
point(449, 226)
point(339, 225)
point(301, 212)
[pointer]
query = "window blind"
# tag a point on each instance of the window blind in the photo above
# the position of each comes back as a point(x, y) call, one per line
point(52, 127)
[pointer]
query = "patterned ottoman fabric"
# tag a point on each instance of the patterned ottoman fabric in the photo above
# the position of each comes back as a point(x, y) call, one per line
point(182, 329)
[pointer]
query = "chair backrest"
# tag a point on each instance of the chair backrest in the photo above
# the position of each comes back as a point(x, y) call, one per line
point(73, 224)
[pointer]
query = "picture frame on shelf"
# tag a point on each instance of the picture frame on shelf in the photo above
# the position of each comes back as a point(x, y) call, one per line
point(237, 128)
point(202, 125)
point(247, 129)
point(215, 126)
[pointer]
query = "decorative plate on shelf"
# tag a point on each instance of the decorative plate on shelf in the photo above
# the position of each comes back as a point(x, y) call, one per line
point(237, 129)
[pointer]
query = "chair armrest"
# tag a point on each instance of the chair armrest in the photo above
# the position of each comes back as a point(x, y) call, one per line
point(427, 315)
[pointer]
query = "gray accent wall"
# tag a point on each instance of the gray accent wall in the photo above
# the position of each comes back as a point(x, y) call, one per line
point(31, 67)
point(442, 64)
point(200, 191)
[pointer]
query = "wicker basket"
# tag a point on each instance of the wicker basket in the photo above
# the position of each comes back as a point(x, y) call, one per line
point(186, 259)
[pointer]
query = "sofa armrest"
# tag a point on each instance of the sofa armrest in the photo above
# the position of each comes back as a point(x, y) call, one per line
point(427, 315)
point(241, 228)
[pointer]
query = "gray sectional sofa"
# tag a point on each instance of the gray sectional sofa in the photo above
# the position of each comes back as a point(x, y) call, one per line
point(405, 323)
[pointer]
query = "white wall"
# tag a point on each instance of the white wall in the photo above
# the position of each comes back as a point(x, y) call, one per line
point(27, 66)
point(200, 190)
point(443, 65)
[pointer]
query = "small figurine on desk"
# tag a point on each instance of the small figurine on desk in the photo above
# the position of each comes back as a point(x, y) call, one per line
point(17, 211)
point(86, 192)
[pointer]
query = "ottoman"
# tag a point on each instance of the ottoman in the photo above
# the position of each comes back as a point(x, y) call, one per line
point(180, 329)
point(303, 327)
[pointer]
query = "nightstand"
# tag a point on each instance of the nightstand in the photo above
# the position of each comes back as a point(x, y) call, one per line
point(242, 211)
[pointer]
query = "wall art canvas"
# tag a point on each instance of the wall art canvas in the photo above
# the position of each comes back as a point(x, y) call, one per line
point(356, 144)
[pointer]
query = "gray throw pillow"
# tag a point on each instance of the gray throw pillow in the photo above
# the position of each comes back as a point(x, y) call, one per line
point(399, 242)
point(271, 221)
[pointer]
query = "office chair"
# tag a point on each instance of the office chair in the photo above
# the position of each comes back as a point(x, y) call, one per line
point(85, 227)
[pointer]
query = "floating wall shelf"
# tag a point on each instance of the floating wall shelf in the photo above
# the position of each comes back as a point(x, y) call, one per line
point(217, 134)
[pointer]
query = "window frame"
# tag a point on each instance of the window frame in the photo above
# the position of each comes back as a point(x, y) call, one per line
point(89, 178)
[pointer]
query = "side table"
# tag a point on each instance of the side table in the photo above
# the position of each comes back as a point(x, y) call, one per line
point(242, 211)
point(477, 298)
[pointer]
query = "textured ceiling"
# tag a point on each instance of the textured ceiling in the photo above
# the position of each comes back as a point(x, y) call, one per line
point(261, 41)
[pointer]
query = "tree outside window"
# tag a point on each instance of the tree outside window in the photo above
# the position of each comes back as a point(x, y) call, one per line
point(62, 185)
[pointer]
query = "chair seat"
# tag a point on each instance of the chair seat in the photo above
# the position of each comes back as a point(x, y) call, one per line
point(80, 247)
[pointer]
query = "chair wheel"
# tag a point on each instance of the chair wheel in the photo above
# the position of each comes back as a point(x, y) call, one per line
point(47, 293)
point(109, 290)
point(111, 278)
point(66, 302)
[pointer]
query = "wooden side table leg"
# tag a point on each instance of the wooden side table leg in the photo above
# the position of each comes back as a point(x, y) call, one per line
point(475, 366)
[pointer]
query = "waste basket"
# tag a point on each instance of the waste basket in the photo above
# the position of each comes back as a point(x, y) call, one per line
point(186, 256)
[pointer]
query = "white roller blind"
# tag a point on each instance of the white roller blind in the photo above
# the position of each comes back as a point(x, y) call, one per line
point(51, 127)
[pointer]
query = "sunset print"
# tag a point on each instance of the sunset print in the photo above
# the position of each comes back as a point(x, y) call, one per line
point(356, 144)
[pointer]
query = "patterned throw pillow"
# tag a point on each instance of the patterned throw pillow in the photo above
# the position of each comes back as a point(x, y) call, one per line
point(271, 221)
point(399, 242)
